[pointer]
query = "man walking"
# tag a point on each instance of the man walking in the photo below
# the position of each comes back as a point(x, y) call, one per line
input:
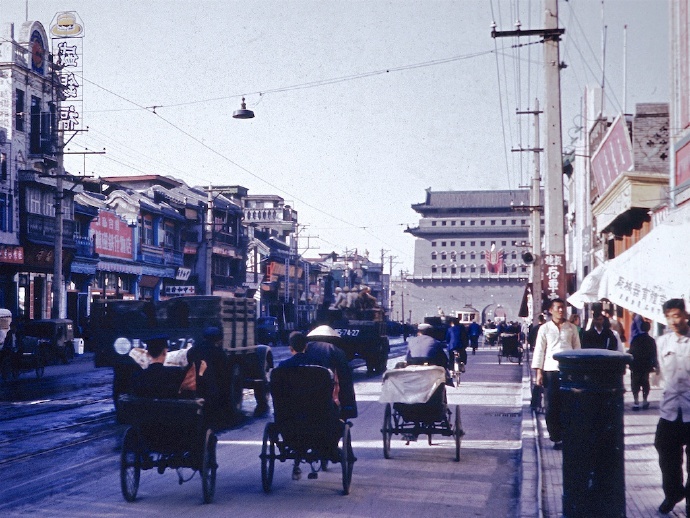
point(673, 430)
point(554, 336)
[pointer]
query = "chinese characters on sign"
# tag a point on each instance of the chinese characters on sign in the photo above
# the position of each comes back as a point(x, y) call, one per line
point(553, 276)
point(11, 254)
point(179, 290)
point(646, 299)
point(67, 34)
point(113, 236)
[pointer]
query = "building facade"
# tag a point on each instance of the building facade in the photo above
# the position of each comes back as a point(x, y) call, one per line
point(468, 250)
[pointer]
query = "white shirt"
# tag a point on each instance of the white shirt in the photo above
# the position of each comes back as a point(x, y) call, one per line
point(674, 361)
point(551, 340)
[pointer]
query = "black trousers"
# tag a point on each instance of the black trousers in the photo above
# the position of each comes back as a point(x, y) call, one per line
point(671, 437)
point(639, 380)
point(552, 405)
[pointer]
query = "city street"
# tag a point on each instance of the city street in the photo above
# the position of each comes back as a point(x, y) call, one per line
point(82, 479)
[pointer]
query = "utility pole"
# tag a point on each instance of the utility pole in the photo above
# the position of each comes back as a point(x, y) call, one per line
point(208, 281)
point(56, 310)
point(554, 255)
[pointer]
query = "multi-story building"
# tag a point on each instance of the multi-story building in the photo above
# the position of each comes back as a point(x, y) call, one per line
point(468, 251)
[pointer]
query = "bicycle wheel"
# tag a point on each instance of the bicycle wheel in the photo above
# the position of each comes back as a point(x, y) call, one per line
point(458, 432)
point(130, 464)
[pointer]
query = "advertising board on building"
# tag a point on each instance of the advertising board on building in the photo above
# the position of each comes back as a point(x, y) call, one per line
point(113, 236)
point(180, 290)
point(67, 33)
point(11, 254)
point(613, 156)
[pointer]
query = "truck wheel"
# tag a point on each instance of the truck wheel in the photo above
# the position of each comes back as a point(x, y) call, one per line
point(68, 353)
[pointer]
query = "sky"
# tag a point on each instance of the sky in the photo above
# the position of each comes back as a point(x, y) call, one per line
point(360, 105)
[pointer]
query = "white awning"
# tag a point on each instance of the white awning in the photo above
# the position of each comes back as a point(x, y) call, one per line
point(652, 271)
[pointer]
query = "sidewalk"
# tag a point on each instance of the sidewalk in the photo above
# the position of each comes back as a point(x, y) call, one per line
point(542, 477)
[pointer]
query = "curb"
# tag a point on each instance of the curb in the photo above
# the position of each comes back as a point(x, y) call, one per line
point(530, 477)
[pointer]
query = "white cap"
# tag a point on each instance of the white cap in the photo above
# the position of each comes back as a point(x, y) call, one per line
point(422, 327)
point(323, 331)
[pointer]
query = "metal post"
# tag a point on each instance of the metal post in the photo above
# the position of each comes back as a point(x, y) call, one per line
point(535, 227)
point(208, 285)
point(56, 307)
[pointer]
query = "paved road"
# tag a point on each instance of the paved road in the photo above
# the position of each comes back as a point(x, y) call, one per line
point(420, 480)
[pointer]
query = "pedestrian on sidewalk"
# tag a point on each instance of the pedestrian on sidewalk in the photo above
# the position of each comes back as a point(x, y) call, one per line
point(673, 430)
point(600, 335)
point(554, 336)
point(643, 350)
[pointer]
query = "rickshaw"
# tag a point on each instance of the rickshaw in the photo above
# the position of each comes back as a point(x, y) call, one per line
point(306, 427)
point(416, 404)
point(30, 355)
point(56, 333)
point(166, 433)
point(509, 347)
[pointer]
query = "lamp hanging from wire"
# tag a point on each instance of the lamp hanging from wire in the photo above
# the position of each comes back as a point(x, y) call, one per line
point(243, 112)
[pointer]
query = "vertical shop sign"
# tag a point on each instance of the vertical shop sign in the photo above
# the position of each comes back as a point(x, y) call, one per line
point(67, 33)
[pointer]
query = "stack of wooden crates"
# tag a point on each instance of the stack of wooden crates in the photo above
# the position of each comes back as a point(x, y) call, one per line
point(238, 316)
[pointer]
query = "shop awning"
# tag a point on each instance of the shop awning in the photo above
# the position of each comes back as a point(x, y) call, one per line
point(148, 281)
point(652, 271)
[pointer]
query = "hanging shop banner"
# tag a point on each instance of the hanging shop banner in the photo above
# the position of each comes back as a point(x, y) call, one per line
point(553, 277)
point(67, 33)
point(613, 156)
point(183, 274)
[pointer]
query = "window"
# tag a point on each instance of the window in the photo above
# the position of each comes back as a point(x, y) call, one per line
point(462, 256)
point(433, 243)
point(482, 222)
point(463, 269)
point(34, 197)
point(482, 255)
point(3, 167)
point(170, 235)
point(473, 269)
point(433, 256)
point(147, 234)
point(482, 243)
point(453, 255)
point(443, 256)
point(503, 222)
point(513, 268)
point(19, 110)
point(472, 243)
point(473, 255)
point(462, 223)
point(452, 223)
point(504, 243)
point(513, 221)
point(444, 223)
point(443, 243)
point(472, 223)
point(433, 268)
point(524, 222)
point(523, 269)
point(453, 270)
point(483, 269)
point(513, 255)
point(462, 243)
point(433, 223)
point(35, 128)
point(48, 203)
point(443, 268)
point(493, 222)
point(452, 243)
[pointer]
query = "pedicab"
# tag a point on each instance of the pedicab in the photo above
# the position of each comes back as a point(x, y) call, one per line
point(31, 354)
point(306, 426)
point(166, 433)
point(509, 347)
point(416, 404)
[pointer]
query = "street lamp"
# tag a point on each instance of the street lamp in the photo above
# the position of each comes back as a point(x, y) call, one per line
point(243, 112)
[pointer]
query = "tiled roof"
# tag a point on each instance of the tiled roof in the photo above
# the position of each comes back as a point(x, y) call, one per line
point(473, 199)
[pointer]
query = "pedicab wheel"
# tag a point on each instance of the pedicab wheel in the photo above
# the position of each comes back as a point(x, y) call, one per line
point(347, 459)
point(236, 389)
point(387, 431)
point(268, 459)
point(428, 439)
point(500, 353)
point(209, 467)
point(458, 432)
point(130, 464)
point(68, 354)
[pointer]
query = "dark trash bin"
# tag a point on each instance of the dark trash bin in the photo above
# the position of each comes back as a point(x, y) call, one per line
point(593, 445)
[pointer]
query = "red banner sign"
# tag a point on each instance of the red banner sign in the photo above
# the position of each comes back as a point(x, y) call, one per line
point(613, 156)
point(683, 165)
point(113, 236)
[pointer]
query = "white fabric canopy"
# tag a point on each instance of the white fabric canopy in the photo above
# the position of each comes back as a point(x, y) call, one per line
point(413, 384)
point(652, 271)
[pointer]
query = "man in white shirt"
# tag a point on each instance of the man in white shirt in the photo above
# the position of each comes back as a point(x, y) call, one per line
point(554, 336)
point(673, 430)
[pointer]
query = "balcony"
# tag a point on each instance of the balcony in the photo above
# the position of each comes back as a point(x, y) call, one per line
point(222, 237)
point(150, 254)
point(172, 257)
point(41, 229)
